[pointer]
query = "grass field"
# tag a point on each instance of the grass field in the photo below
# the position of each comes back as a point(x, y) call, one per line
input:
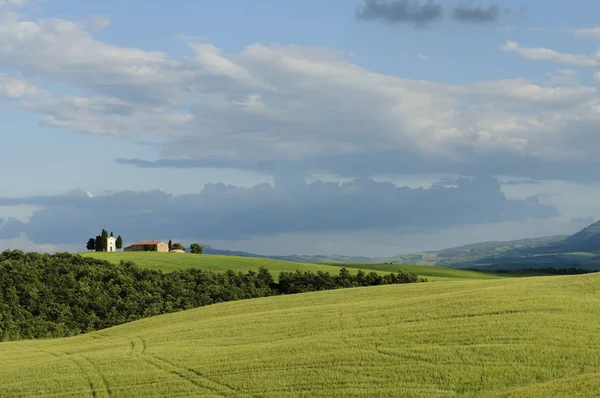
point(169, 262)
point(429, 271)
point(514, 337)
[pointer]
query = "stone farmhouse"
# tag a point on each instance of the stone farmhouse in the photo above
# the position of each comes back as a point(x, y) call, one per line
point(151, 246)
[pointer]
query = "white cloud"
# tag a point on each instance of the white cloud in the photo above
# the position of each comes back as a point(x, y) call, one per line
point(563, 77)
point(288, 103)
point(424, 57)
point(547, 54)
point(589, 33)
point(16, 88)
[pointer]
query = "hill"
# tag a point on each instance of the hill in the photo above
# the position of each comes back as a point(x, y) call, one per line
point(432, 273)
point(473, 252)
point(169, 262)
point(524, 337)
point(586, 240)
point(580, 250)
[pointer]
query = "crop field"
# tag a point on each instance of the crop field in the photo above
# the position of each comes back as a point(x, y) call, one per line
point(429, 271)
point(513, 337)
point(170, 262)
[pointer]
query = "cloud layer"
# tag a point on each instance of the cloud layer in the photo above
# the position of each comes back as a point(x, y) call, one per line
point(422, 13)
point(222, 212)
point(299, 110)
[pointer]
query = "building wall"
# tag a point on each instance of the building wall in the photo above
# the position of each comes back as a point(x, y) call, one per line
point(111, 245)
point(161, 247)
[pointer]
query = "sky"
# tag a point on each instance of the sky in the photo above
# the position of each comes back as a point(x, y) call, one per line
point(357, 127)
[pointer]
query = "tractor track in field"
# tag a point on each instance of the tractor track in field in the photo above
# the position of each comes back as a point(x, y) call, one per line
point(89, 370)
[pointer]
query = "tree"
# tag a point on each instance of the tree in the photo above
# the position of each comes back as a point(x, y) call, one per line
point(170, 245)
point(99, 247)
point(178, 246)
point(119, 242)
point(104, 240)
point(91, 245)
point(111, 235)
point(196, 248)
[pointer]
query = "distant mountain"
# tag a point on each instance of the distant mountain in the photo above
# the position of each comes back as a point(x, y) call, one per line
point(456, 256)
point(580, 250)
point(588, 239)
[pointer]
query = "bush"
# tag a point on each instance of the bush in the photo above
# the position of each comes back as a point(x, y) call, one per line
point(196, 248)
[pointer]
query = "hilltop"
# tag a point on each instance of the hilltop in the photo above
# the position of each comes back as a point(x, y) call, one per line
point(169, 262)
point(526, 337)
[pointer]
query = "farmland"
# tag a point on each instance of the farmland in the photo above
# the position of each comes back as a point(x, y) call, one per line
point(516, 337)
point(169, 262)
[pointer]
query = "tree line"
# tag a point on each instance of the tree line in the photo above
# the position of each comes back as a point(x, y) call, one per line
point(59, 295)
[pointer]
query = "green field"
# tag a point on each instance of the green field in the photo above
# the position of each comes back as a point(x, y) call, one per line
point(429, 271)
point(170, 262)
point(520, 337)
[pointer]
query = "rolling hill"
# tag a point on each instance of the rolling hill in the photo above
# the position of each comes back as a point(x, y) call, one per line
point(523, 337)
point(580, 250)
point(169, 262)
point(175, 261)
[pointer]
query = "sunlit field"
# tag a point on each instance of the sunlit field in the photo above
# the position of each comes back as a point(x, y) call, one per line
point(521, 337)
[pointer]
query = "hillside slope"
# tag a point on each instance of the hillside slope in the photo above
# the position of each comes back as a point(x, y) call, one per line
point(525, 337)
point(169, 262)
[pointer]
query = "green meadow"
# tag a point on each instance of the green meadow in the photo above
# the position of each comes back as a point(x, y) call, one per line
point(429, 271)
point(513, 337)
point(169, 262)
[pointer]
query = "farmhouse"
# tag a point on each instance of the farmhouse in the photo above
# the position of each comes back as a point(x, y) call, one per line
point(151, 246)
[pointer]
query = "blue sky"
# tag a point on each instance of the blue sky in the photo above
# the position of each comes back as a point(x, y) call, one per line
point(101, 100)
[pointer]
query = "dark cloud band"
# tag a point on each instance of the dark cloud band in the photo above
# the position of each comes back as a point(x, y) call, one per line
point(421, 13)
point(228, 212)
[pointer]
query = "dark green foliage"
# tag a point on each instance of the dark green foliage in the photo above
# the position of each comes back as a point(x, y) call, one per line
point(170, 245)
point(301, 282)
point(104, 235)
point(99, 247)
point(195, 248)
point(43, 295)
point(177, 246)
point(119, 242)
point(91, 244)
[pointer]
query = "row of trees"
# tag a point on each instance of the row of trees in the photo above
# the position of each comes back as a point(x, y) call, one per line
point(59, 295)
point(100, 243)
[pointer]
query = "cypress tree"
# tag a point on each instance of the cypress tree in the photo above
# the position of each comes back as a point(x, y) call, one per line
point(99, 243)
point(104, 240)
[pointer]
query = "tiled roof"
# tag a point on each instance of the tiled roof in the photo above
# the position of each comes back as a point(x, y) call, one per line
point(146, 243)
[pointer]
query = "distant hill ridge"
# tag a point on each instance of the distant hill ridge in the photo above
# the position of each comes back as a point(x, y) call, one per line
point(581, 249)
